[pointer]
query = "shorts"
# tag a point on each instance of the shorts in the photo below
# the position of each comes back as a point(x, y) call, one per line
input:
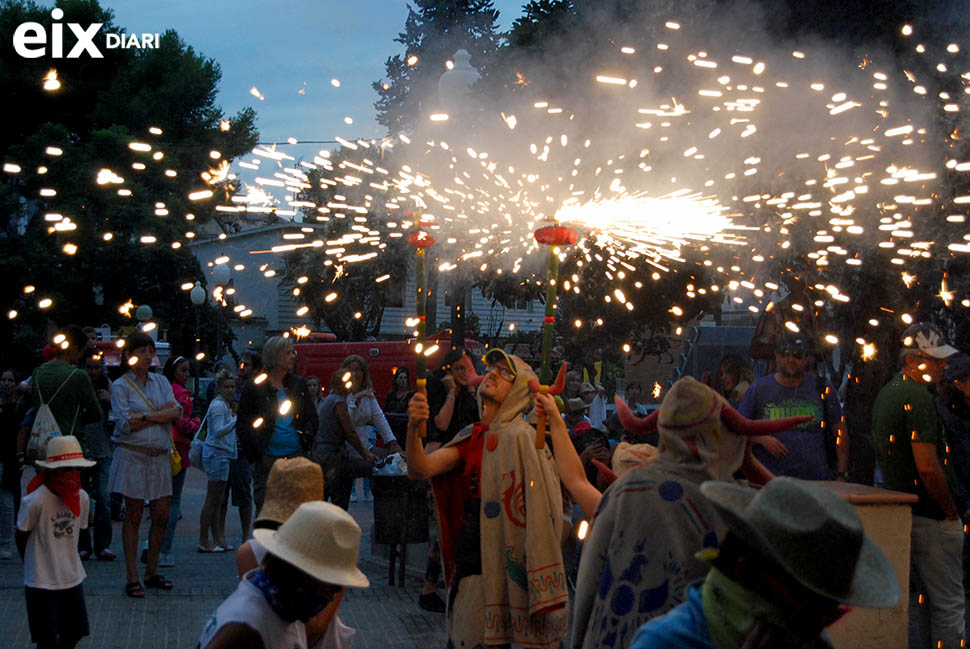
point(240, 483)
point(216, 468)
point(53, 615)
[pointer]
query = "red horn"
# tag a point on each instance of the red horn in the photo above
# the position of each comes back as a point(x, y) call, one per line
point(560, 381)
point(750, 427)
point(534, 386)
point(634, 424)
point(605, 471)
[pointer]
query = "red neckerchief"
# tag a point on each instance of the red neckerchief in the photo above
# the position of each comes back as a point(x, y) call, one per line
point(66, 484)
point(473, 461)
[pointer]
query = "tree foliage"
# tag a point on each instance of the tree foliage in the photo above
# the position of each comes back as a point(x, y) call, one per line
point(338, 283)
point(433, 32)
point(102, 106)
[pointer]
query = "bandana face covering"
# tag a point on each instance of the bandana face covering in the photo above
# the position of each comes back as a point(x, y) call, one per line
point(301, 603)
point(734, 614)
point(66, 484)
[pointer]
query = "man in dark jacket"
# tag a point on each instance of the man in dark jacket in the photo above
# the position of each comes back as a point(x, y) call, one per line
point(276, 414)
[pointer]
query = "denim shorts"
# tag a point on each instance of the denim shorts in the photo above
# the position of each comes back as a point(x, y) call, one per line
point(216, 468)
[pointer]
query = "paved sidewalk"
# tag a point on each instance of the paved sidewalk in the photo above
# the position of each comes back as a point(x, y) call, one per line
point(384, 616)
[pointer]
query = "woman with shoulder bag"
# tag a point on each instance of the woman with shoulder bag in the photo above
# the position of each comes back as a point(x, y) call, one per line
point(276, 414)
point(143, 408)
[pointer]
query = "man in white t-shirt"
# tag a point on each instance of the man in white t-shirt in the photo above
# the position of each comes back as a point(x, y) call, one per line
point(52, 515)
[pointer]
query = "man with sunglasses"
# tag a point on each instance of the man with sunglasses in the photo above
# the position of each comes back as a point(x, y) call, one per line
point(815, 450)
point(499, 514)
point(912, 453)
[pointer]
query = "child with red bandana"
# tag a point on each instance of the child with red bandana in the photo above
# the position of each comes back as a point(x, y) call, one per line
point(52, 514)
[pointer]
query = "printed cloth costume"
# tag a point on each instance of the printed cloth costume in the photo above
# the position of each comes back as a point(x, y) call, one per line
point(639, 556)
point(519, 593)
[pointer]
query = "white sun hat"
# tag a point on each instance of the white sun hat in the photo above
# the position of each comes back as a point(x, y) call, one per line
point(64, 452)
point(321, 540)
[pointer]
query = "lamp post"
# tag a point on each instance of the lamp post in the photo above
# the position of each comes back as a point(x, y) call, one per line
point(198, 299)
point(221, 275)
point(454, 95)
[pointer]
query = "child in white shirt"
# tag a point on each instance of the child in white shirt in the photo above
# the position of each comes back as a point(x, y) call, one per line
point(52, 515)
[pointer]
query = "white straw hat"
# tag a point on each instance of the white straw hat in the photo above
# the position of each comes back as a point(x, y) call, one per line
point(64, 452)
point(321, 540)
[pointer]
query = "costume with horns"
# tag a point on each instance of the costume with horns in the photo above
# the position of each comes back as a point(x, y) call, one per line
point(639, 555)
point(520, 597)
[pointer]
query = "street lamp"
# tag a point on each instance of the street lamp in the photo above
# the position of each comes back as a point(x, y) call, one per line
point(221, 276)
point(197, 296)
point(454, 95)
point(144, 315)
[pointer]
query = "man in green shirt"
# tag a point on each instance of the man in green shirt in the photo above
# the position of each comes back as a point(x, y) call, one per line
point(65, 388)
point(912, 454)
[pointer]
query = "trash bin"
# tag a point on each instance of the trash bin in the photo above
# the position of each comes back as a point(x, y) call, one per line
point(400, 517)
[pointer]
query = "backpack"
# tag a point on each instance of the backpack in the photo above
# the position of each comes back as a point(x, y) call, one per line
point(45, 425)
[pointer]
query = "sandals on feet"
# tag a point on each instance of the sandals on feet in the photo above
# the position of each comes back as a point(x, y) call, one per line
point(158, 581)
point(134, 589)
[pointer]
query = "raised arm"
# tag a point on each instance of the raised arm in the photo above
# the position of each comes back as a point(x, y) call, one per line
point(421, 465)
point(571, 470)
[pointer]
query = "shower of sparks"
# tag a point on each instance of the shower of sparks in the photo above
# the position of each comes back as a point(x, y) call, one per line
point(656, 227)
point(748, 155)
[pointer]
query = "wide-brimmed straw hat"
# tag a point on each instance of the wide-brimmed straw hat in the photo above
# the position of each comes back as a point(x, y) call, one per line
point(813, 535)
point(64, 452)
point(320, 540)
point(291, 483)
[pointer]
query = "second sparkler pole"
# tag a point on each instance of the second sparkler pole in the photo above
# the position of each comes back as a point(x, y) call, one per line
point(552, 236)
point(420, 239)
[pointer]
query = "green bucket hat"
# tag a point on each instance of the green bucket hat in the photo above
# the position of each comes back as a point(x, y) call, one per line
point(811, 533)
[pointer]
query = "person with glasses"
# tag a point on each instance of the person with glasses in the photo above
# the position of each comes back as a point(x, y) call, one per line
point(912, 453)
point(499, 511)
point(815, 450)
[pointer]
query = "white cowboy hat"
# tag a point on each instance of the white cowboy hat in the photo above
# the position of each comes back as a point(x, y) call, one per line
point(64, 452)
point(321, 540)
point(811, 533)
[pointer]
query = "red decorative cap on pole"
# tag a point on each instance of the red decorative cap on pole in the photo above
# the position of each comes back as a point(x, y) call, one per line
point(419, 237)
point(556, 235)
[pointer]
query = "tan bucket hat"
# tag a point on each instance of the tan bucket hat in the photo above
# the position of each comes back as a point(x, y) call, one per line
point(291, 483)
point(814, 535)
point(64, 452)
point(320, 540)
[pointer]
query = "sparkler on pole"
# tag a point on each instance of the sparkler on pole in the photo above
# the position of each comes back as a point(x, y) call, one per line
point(553, 236)
point(420, 239)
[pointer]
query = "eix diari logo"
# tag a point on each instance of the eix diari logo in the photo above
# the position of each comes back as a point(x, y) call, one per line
point(30, 40)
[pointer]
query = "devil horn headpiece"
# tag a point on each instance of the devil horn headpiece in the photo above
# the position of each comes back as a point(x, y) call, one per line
point(734, 420)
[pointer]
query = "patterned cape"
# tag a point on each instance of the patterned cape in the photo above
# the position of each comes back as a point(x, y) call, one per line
point(525, 597)
point(639, 555)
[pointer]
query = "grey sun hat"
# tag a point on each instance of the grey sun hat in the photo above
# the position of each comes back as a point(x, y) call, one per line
point(811, 533)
